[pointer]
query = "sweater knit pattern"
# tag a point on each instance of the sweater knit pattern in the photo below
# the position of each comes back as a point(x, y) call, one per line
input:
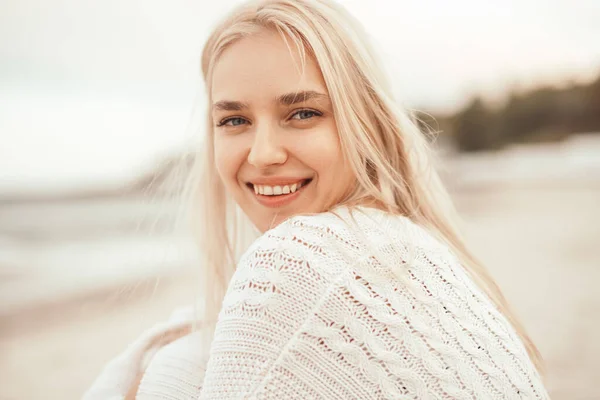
point(361, 305)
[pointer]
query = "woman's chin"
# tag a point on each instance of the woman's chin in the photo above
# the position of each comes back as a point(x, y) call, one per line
point(273, 220)
point(265, 221)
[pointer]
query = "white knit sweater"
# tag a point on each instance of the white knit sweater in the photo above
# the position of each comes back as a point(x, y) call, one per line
point(358, 305)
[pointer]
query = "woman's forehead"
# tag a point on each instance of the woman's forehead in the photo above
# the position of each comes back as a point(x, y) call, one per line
point(264, 64)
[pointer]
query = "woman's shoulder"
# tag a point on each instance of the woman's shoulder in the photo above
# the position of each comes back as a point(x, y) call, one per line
point(345, 242)
point(310, 237)
point(349, 230)
point(344, 283)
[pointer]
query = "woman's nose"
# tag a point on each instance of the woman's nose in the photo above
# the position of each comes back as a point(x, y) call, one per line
point(266, 149)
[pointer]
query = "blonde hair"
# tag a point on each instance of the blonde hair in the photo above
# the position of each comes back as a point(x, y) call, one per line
point(386, 150)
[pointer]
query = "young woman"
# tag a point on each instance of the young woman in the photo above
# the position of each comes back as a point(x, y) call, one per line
point(359, 286)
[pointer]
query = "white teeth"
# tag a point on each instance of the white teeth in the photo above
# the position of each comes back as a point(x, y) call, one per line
point(276, 190)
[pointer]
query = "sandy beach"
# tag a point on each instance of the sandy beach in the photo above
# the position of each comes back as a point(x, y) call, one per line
point(539, 241)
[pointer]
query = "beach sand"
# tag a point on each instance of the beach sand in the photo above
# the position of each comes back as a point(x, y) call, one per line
point(540, 243)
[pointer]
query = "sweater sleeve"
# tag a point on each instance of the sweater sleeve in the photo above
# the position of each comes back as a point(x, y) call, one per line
point(271, 299)
point(317, 310)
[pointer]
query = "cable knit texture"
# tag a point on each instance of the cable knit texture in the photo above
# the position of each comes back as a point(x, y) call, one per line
point(353, 305)
point(361, 305)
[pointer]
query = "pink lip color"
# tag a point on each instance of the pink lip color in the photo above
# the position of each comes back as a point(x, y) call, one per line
point(279, 200)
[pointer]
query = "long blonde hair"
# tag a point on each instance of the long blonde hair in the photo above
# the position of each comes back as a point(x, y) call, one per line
point(385, 148)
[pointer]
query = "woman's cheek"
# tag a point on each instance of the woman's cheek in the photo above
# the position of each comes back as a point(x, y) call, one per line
point(321, 151)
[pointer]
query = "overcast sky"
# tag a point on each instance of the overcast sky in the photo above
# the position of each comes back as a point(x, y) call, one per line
point(94, 91)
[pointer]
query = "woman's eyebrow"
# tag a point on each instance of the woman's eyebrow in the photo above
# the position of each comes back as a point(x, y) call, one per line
point(287, 99)
point(227, 105)
point(299, 97)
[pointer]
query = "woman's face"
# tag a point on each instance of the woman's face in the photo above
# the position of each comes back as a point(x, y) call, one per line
point(275, 139)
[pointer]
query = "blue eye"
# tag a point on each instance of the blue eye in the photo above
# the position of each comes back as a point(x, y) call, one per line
point(305, 114)
point(235, 121)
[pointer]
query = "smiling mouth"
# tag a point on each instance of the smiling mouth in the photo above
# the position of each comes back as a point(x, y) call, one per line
point(277, 190)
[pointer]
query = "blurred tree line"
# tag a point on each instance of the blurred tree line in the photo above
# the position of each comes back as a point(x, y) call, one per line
point(544, 114)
